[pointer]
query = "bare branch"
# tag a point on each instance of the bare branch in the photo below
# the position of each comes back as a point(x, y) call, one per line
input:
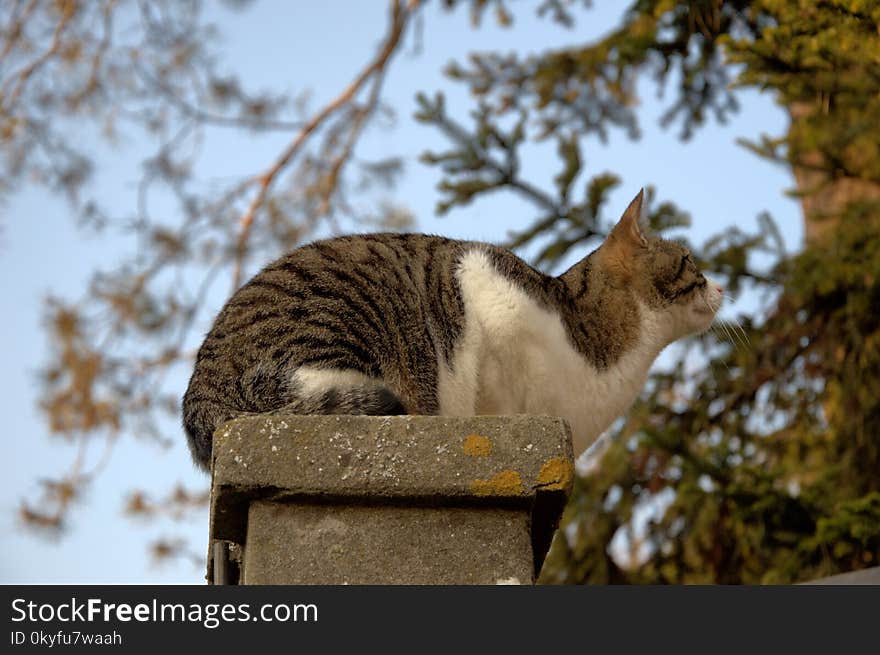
point(68, 9)
point(400, 16)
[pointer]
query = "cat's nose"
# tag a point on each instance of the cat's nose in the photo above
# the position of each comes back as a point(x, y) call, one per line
point(719, 288)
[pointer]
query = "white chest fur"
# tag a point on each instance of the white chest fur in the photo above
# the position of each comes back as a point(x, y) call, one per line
point(515, 357)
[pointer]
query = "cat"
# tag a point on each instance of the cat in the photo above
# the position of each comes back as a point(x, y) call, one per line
point(389, 324)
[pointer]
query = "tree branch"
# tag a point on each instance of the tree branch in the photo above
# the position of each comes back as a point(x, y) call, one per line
point(400, 17)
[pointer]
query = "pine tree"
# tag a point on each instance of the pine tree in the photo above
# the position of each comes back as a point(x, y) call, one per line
point(765, 466)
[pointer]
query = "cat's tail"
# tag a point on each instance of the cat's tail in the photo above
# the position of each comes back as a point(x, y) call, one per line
point(369, 400)
point(203, 415)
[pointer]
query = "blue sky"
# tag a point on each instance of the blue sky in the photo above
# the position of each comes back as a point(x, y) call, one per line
point(320, 46)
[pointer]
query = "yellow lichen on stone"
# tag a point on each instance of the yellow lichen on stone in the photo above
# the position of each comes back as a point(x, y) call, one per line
point(477, 445)
point(503, 483)
point(556, 474)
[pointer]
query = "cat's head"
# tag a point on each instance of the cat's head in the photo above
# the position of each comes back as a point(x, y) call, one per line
point(661, 274)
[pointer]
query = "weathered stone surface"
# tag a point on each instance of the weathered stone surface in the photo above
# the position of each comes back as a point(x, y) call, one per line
point(330, 544)
point(395, 456)
point(411, 466)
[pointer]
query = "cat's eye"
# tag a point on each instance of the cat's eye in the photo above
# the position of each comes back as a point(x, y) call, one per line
point(682, 265)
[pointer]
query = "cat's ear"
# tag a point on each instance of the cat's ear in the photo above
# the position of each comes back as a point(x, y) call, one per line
point(625, 239)
point(627, 231)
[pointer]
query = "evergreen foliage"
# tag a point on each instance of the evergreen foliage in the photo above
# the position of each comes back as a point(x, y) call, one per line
point(761, 465)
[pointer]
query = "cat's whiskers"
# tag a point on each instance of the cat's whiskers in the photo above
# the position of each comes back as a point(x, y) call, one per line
point(736, 324)
point(728, 330)
point(745, 335)
point(737, 332)
point(715, 327)
point(730, 333)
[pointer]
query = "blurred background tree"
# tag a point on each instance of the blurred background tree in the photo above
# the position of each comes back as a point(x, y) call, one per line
point(759, 464)
point(148, 71)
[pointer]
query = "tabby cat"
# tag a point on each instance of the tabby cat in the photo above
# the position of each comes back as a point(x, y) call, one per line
point(384, 324)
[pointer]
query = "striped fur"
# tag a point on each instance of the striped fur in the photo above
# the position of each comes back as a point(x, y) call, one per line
point(409, 323)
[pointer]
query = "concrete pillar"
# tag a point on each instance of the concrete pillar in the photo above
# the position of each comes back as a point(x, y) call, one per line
point(386, 500)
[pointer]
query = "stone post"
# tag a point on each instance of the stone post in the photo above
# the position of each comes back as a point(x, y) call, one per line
point(386, 500)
